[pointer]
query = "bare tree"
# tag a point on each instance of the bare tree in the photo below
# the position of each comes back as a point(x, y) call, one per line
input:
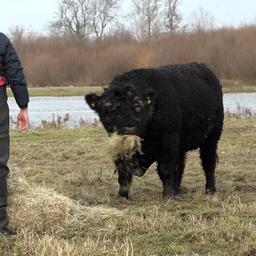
point(103, 14)
point(202, 20)
point(172, 16)
point(121, 33)
point(73, 17)
point(17, 33)
point(146, 16)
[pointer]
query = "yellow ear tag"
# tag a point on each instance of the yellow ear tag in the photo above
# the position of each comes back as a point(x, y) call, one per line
point(148, 101)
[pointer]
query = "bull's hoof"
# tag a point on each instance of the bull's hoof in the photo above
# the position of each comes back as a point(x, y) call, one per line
point(210, 191)
point(124, 194)
point(170, 195)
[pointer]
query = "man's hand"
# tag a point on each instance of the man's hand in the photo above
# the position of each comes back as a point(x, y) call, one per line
point(22, 119)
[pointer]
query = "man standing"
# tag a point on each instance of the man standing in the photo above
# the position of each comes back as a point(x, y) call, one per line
point(11, 73)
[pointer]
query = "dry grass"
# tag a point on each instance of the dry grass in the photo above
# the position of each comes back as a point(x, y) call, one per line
point(64, 200)
point(44, 211)
point(123, 146)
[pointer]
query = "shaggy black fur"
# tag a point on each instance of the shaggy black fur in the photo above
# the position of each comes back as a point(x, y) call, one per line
point(174, 109)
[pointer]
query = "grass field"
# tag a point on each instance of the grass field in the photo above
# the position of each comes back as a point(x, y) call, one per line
point(229, 86)
point(61, 91)
point(63, 200)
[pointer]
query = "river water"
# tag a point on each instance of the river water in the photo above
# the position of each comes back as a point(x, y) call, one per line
point(48, 108)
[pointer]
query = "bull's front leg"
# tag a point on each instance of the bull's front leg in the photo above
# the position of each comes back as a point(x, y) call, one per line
point(167, 168)
point(166, 171)
point(124, 179)
point(140, 163)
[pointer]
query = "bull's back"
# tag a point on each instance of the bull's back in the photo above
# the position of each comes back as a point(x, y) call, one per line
point(200, 101)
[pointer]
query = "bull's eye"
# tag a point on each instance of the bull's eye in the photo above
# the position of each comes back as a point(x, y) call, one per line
point(108, 104)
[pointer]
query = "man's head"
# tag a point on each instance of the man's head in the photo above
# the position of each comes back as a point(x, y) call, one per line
point(123, 108)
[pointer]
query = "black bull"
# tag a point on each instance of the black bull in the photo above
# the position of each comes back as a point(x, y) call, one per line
point(174, 109)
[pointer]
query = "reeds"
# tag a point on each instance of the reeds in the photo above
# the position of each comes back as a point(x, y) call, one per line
point(62, 61)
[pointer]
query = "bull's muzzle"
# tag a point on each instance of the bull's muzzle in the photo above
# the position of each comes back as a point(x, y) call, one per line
point(128, 130)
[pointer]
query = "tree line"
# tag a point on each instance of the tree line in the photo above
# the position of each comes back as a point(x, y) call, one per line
point(94, 18)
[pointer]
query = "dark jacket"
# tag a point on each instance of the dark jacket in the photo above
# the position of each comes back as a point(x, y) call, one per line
point(12, 71)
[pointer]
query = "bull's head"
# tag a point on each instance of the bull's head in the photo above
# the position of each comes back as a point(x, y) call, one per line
point(123, 109)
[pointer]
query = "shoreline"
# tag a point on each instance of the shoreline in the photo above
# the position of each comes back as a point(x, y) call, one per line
point(228, 86)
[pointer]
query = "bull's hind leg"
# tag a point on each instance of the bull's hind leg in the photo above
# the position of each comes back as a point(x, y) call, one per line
point(208, 154)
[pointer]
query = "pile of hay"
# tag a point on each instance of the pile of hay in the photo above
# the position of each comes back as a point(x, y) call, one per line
point(123, 146)
point(41, 216)
point(44, 211)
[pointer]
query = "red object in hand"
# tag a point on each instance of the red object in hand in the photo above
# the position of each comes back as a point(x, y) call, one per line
point(2, 81)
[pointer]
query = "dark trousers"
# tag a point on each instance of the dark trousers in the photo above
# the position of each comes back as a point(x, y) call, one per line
point(4, 145)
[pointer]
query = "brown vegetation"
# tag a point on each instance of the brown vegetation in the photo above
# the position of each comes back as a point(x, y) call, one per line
point(63, 60)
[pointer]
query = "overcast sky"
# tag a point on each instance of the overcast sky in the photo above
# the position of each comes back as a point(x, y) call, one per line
point(35, 14)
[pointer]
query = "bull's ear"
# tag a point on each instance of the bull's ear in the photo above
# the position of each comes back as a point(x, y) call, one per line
point(92, 100)
point(149, 96)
